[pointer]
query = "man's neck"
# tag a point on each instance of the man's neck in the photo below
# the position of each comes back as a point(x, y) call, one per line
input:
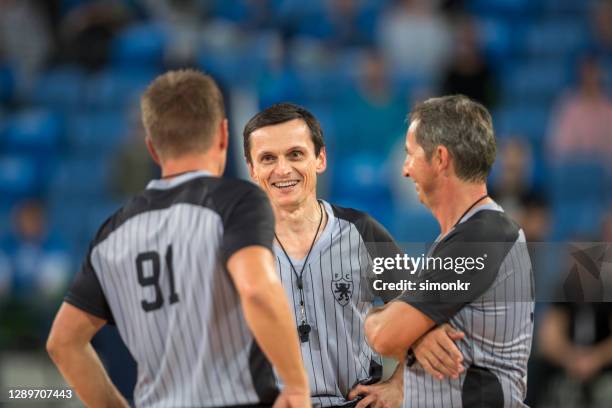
point(450, 205)
point(296, 227)
point(171, 167)
point(299, 219)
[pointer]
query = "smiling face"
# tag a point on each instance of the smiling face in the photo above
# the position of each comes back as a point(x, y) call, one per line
point(284, 164)
point(417, 166)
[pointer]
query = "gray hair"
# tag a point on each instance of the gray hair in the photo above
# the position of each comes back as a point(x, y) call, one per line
point(461, 125)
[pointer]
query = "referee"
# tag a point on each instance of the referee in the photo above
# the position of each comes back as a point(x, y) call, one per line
point(322, 259)
point(185, 272)
point(450, 150)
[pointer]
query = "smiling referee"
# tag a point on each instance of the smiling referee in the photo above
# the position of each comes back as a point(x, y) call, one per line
point(185, 271)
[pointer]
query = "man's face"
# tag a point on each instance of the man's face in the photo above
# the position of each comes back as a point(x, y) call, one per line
point(284, 164)
point(417, 167)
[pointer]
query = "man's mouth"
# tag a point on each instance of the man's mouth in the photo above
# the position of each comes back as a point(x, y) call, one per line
point(285, 184)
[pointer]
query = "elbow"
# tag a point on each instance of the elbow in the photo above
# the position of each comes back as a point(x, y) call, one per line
point(254, 294)
point(56, 346)
point(378, 340)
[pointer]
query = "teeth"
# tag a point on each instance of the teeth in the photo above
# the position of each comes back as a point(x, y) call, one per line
point(285, 184)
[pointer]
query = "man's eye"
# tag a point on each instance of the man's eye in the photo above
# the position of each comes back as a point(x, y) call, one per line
point(267, 158)
point(296, 154)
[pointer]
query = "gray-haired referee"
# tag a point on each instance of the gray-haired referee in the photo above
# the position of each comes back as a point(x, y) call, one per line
point(450, 148)
point(185, 271)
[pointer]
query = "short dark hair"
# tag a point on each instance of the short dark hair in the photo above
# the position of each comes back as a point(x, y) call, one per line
point(181, 111)
point(461, 125)
point(280, 113)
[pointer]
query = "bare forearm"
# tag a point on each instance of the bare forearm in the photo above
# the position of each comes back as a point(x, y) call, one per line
point(267, 314)
point(83, 370)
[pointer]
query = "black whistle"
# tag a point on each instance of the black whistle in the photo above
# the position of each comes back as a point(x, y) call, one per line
point(304, 331)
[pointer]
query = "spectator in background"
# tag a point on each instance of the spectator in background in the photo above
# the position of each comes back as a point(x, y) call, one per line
point(511, 183)
point(582, 124)
point(87, 31)
point(375, 99)
point(414, 38)
point(40, 259)
point(601, 25)
point(25, 39)
point(468, 72)
point(348, 23)
point(39, 267)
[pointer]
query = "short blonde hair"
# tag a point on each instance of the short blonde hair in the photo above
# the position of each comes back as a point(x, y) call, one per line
point(181, 111)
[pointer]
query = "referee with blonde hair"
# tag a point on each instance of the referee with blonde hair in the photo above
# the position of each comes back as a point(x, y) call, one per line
point(185, 271)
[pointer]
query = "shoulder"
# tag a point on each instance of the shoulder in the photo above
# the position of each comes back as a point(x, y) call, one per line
point(485, 226)
point(370, 229)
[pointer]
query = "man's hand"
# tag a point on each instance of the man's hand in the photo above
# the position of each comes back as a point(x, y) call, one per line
point(385, 394)
point(293, 399)
point(438, 354)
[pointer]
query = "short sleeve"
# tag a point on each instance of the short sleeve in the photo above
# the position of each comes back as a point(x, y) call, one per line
point(249, 222)
point(86, 292)
point(466, 284)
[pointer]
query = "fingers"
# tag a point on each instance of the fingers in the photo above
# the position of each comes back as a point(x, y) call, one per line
point(358, 390)
point(366, 401)
point(429, 368)
point(452, 332)
point(449, 348)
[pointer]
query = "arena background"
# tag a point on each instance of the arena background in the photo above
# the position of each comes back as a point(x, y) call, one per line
point(71, 141)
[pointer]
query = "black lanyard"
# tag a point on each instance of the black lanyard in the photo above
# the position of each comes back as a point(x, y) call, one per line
point(469, 208)
point(304, 328)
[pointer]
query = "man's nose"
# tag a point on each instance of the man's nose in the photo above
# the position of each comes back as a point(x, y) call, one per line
point(283, 166)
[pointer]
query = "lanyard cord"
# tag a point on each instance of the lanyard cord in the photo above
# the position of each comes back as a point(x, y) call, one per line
point(300, 281)
point(469, 208)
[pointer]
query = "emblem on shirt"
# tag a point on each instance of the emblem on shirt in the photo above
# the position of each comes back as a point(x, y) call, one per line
point(342, 292)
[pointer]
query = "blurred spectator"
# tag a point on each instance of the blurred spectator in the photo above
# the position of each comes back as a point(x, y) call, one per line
point(378, 105)
point(39, 264)
point(349, 25)
point(468, 73)
point(576, 339)
point(25, 39)
point(87, 31)
point(601, 18)
point(183, 21)
point(511, 181)
point(132, 166)
point(39, 258)
point(414, 38)
point(582, 125)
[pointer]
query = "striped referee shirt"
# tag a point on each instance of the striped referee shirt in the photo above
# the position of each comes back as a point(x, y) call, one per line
point(157, 269)
point(337, 297)
point(496, 315)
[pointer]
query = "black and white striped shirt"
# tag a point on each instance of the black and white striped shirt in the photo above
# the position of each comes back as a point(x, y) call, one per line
point(496, 315)
point(337, 298)
point(157, 269)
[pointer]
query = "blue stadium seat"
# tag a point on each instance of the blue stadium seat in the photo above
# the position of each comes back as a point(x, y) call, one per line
point(79, 178)
point(18, 177)
point(7, 83)
point(527, 121)
point(33, 131)
point(415, 225)
point(511, 8)
point(576, 9)
point(535, 81)
point(361, 181)
point(577, 220)
point(581, 181)
point(117, 88)
point(554, 38)
point(60, 88)
point(140, 44)
point(498, 39)
point(96, 132)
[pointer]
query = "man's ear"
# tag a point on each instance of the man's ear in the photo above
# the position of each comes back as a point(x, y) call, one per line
point(152, 151)
point(322, 160)
point(223, 135)
point(442, 158)
point(251, 170)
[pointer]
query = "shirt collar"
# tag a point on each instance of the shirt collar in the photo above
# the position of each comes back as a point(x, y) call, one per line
point(165, 184)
